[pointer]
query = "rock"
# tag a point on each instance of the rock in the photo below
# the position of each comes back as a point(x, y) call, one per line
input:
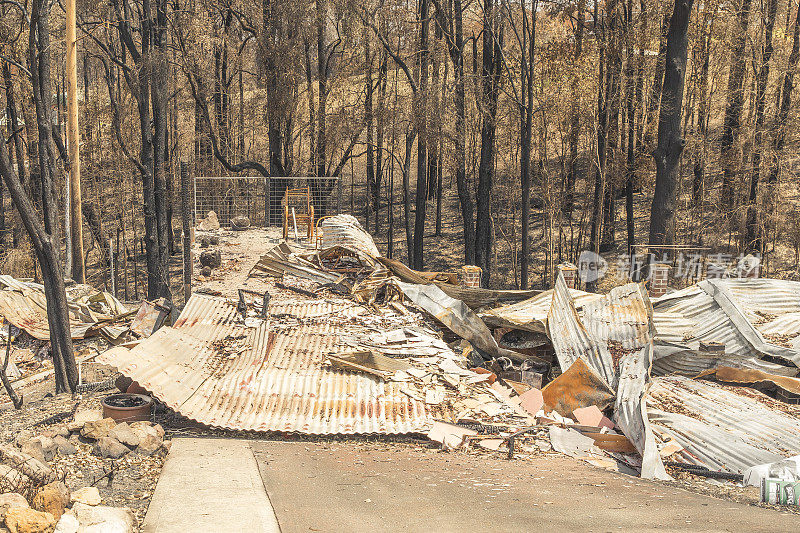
point(210, 258)
point(29, 521)
point(159, 430)
point(205, 242)
point(109, 447)
point(60, 430)
point(205, 271)
point(52, 498)
point(123, 433)
point(103, 519)
point(23, 436)
point(83, 415)
point(210, 223)
point(96, 429)
point(11, 500)
point(86, 496)
point(47, 445)
point(26, 464)
point(213, 239)
point(240, 223)
point(149, 445)
point(34, 449)
point(64, 447)
point(12, 480)
point(122, 383)
point(144, 428)
point(67, 524)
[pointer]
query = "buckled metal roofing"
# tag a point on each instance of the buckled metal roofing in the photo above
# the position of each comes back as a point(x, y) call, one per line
point(720, 427)
point(212, 369)
point(614, 337)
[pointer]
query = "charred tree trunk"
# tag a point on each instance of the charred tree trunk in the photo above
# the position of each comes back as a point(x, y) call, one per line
point(43, 233)
point(490, 82)
point(670, 136)
point(654, 99)
point(733, 108)
point(779, 135)
point(368, 119)
point(421, 119)
point(753, 237)
point(575, 120)
point(698, 179)
point(630, 162)
point(380, 126)
point(455, 45)
point(527, 67)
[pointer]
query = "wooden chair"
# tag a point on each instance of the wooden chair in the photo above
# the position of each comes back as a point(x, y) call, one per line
point(300, 201)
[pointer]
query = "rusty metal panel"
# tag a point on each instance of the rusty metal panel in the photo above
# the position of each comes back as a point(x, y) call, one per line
point(614, 338)
point(212, 369)
point(724, 428)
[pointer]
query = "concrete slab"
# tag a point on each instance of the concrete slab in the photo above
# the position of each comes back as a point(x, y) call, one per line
point(369, 487)
point(210, 485)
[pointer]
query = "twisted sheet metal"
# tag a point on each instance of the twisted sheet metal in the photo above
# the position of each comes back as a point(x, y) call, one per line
point(531, 314)
point(736, 312)
point(722, 428)
point(690, 363)
point(212, 369)
point(618, 323)
point(24, 305)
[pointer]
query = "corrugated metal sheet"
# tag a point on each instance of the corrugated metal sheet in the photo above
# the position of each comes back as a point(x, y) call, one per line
point(747, 315)
point(346, 231)
point(721, 427)
point(24, 305)
point(280, 260)
point(531, 314)
point(690, 363)
point(614, 337)
point(212, 369)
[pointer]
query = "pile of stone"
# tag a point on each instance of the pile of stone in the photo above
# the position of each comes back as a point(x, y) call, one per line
point(111, 440)
point(33, 500)
point(54, 509)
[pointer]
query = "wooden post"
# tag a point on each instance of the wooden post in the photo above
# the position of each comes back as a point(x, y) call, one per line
point(73, 137)
point(187, 237)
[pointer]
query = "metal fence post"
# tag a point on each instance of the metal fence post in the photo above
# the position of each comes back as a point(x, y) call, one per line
point(338, 194)
point(267, 187)
point(187, 238)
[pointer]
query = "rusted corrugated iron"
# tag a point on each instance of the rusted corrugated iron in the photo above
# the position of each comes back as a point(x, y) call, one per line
point(614, 338)
point(212, 369)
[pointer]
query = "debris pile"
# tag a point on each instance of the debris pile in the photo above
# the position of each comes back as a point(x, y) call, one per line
point(345, 341)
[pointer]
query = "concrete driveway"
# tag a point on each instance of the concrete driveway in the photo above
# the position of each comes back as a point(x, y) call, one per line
point(359, 487)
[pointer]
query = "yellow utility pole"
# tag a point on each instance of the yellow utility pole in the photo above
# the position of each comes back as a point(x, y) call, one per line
point(76, 211)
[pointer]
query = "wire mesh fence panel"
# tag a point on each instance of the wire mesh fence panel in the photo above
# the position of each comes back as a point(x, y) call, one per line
point(262, 200)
